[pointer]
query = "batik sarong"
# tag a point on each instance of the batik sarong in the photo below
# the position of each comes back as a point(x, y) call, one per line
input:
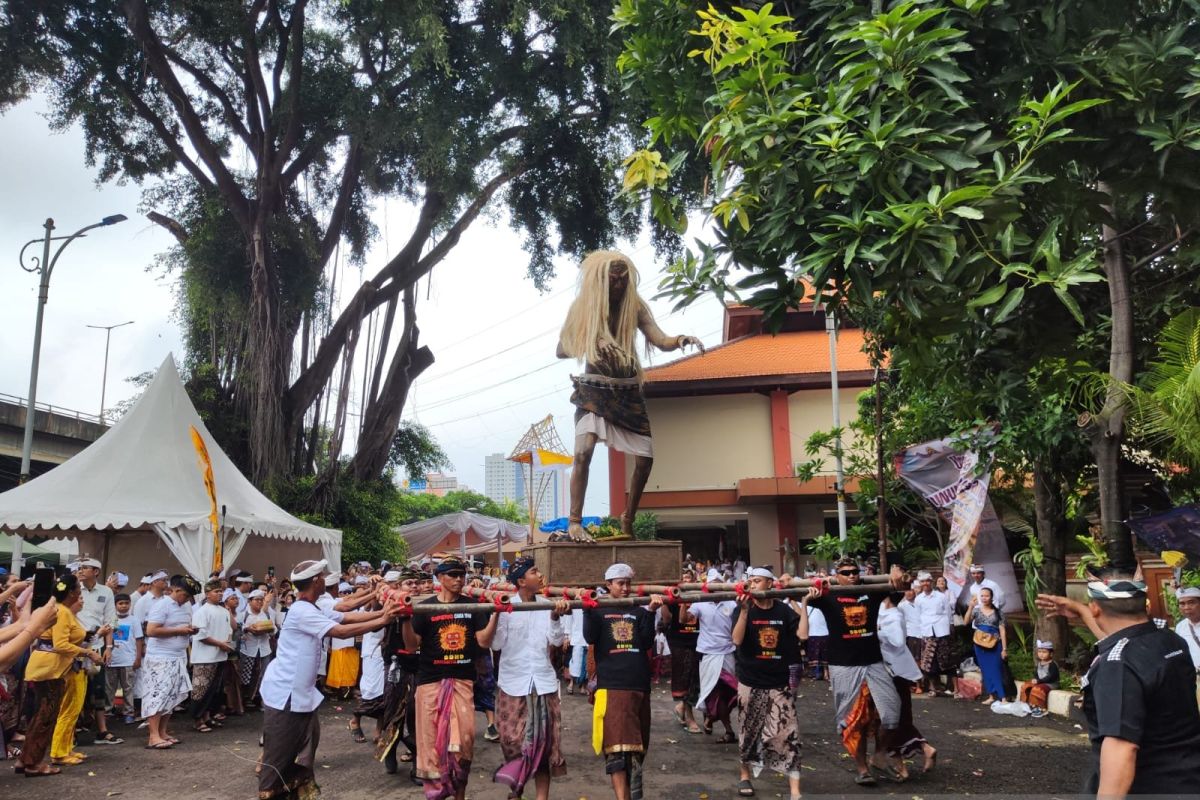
point(937, 655)
point(621, 732)
point(289, 754)
point(206, 684)
point(445, 736)
point(769, 737)
point(685, 674)
point(530, 739)
point(863, 696)
point(164, 683)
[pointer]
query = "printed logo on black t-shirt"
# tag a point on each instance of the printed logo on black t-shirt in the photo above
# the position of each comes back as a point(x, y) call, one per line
point(855, 617)
point(452, 638)
point(768, 640)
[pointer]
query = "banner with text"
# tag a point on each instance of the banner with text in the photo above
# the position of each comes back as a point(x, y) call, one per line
point(956, 483)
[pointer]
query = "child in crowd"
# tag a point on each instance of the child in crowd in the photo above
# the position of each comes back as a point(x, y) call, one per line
point(1045, 678)
point(124, 661)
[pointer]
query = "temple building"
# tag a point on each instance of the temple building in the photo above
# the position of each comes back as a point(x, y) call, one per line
point(730, 426)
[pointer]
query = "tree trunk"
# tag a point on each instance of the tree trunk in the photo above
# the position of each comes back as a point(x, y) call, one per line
point(1052, 536)
point(1106, 430)
point(382, 417)
point(265, 370)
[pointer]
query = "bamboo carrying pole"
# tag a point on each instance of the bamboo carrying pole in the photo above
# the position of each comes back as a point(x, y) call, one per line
point(630, 602)
point(794, 583)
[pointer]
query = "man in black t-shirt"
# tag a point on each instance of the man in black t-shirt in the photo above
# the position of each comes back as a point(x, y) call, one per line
point(767, 635)
point(445, 708)
point(623, 641)
point(681, 633)
point(1138, 694)
point(862, 686)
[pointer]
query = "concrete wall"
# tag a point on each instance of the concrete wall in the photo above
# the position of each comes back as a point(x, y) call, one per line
point(764, 534)
point(708, 442)
point(811, 410)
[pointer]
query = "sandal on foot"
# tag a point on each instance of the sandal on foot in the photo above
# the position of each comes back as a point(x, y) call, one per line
point(406, 757)
point(41, 773)
point(745, 789)
point(165, 744)
point(357, 735)
point(891, 773)
point(727, 738)
point(202, 728)
point(696, 730)
point(865, 779)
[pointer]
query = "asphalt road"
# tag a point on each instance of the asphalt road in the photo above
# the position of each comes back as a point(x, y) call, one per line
point(980, 753)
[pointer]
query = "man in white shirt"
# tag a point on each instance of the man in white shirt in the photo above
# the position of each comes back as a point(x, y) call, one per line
point(528, 684)
point(935, 612)
point(912, 622)
point(979, 580)
point(244, 583)
point(164, 680)
point(1189, 626)
point(98, 617)
point(718, 680)
point(143, 590)
point(211, 645)
point(291, 728)
point(258, 623)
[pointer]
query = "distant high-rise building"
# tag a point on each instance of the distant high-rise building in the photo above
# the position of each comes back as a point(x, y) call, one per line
point(506, 480)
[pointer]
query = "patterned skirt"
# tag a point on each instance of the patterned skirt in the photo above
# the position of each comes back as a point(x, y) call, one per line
point(685, 674)
point(769, 738)
point(165, 684)
point(937, 655)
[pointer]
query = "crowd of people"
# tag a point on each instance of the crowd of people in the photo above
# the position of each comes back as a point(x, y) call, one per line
point(173, 654)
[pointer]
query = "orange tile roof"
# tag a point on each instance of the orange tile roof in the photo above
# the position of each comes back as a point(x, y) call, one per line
point(763, 355)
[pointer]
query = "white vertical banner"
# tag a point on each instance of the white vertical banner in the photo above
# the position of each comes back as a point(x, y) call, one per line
point(956, 482)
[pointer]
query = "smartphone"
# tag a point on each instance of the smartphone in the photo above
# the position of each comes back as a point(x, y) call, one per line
point(270, 572)
point(43, 586)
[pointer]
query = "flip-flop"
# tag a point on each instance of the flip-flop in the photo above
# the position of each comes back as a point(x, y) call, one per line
point(357, 735)
point(745, 789)
point(891, 773)
point(866, 780)
point(163, 745)
point(696, 731)
point(727, 738)
point(202, 729)
point(43, 773)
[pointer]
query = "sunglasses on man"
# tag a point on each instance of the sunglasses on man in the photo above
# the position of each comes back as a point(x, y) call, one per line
point(455, 574)
point(847, 572)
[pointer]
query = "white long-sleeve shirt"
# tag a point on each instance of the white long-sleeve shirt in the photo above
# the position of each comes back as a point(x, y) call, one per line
point(912, 618)
point(893, 646)
point(935, 612)
point(575, 631)
point(525, 666)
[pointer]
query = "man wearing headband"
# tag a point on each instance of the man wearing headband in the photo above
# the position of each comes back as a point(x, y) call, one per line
point(767, 635)
point(211, 645)
point(1189, 626)
point(863, 690)
point(258, 624)
point(165, 682)
point(449, 644)
point(980, 580)
point(528, 685)
point(682, 631)
point(935, 614)
point(98, 617)
point(717, 693)
point(394, 710)
point(1145, 734)
point(291, 728)
point(142, 592)
point(624, 641)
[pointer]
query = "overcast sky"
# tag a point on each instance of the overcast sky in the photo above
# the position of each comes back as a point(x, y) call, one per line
point(492, 333)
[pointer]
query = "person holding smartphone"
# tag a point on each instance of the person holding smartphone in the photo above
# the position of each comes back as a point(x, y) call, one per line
point(165, 682)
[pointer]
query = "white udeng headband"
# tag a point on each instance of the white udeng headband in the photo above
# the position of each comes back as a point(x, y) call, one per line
point(311, 571)
point(760, 572)
point(618, 571)
point(1187, 591)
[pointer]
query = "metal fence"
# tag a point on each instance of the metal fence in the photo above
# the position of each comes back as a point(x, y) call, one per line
point(50, 409)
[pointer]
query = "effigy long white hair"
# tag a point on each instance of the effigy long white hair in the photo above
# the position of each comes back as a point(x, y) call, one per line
point(588, 322)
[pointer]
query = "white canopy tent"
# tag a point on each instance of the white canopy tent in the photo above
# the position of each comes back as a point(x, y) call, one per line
point(136, 499)
point(466, 533)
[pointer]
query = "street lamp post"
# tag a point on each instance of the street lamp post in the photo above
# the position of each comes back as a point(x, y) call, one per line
point(108, 329)
point(45, 267)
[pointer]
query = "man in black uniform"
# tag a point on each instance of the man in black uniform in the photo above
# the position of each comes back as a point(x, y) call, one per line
point(1138, 695)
